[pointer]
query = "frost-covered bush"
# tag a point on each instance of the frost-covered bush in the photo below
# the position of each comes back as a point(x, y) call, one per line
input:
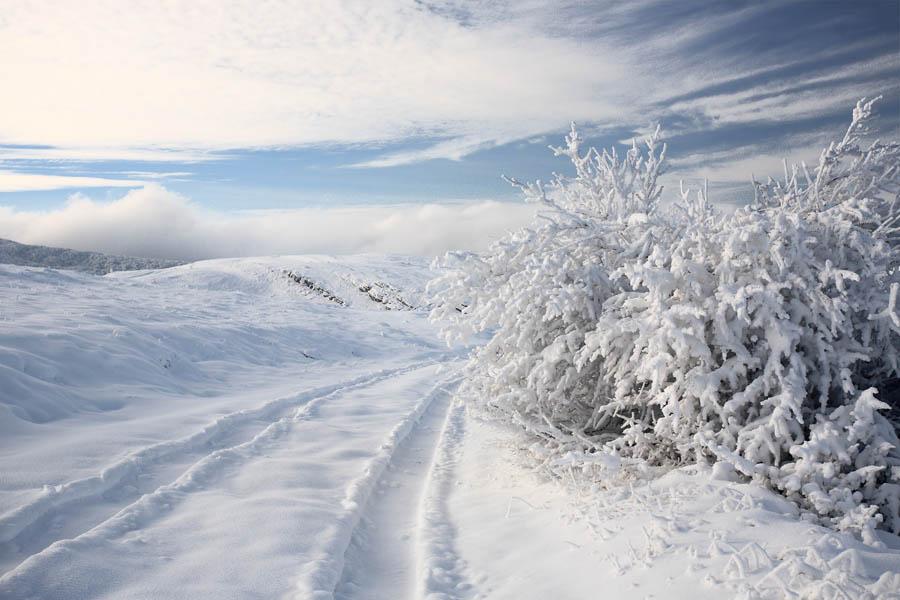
point(544, 288)
point(671, 333)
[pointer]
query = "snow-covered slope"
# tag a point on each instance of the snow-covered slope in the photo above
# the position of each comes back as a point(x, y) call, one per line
point(285, 427)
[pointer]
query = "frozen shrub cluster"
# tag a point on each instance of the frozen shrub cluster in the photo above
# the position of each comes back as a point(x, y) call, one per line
point(668, 333)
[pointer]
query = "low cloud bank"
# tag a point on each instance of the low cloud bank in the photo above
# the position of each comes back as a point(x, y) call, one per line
point(157, 223)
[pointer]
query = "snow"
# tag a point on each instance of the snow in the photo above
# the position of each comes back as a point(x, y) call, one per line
point(219, 430)
point(693, 533)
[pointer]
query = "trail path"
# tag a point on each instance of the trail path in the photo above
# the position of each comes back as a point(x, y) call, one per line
point(285, 485)
point(404, 537)
point(125, 487)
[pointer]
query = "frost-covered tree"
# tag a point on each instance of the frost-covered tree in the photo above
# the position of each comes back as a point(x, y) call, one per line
point(674, 334)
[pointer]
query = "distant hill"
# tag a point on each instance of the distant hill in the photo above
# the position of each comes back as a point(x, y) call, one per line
point(14, 253)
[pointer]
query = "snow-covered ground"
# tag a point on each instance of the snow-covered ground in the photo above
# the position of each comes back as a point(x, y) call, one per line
point(287, 427)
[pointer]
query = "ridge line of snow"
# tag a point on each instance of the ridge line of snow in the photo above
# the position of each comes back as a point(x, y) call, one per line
point(438, 566)
point(150, 505)
point(323, 574)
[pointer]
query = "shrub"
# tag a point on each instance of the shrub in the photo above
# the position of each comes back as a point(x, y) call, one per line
point(670, 333)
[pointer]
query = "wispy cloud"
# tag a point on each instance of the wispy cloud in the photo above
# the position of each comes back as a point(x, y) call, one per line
point(454, 149)
point(75, 154)
point(183, 82)
point(155, 222)
point(12, 181)
point(240, 74)
point(171, 175)
point(738, 163)
point(793, 100)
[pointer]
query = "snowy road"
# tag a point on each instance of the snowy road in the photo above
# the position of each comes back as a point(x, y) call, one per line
point(219, 430)
point(155, 470)
point(388, 555)
point(208, 486)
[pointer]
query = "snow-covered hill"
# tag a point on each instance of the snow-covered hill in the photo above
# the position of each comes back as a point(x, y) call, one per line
point(14, 253)
point(286, 427)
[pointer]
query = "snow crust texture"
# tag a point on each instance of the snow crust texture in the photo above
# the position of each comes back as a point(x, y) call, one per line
point(694, 533)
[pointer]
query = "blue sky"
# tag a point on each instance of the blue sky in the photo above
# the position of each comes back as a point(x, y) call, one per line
point(227, 109)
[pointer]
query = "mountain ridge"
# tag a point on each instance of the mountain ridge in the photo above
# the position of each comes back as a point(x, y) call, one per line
point(96, 263)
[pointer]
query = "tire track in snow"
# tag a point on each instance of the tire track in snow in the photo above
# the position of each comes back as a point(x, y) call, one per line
point(379, 563)
point(319, 579)
point(278, 418)
point(439, 567)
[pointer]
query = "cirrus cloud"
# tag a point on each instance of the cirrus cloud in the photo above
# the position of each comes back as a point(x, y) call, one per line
point(13, 181)
point(237, 74)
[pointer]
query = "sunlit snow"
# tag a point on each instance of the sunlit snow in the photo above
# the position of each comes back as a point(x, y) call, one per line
point(221, 430)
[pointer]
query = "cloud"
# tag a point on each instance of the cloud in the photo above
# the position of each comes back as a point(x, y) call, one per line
point(12, 181)
point(155, 222)
point(18, 153)
point(171, 175)
point(239, 74)
point(182, 80)
point(761, 160)
point(454, 149)
point(781, 103)
point(760, 167)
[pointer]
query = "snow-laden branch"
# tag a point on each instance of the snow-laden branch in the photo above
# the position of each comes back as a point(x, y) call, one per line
point(672, 333)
